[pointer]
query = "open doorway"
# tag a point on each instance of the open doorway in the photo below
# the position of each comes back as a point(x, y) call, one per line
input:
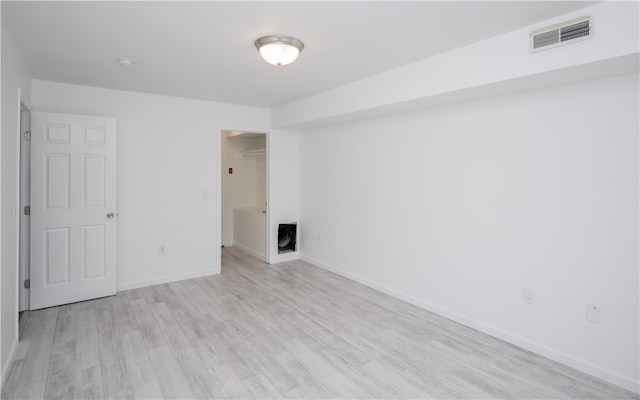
point(244, 184)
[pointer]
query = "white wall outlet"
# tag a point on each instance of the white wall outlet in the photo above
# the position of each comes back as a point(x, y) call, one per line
point(528, 295)
point(162, 249)
point(594, 314)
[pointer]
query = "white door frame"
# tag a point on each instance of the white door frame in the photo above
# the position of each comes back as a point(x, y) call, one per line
point(218, 147)
point(24, 194)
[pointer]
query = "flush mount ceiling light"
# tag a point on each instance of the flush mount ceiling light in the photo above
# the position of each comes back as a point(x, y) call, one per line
point(126, 61)
point(279, 50)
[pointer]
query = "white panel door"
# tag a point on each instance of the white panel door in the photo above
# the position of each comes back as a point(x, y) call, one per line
point(73, 208)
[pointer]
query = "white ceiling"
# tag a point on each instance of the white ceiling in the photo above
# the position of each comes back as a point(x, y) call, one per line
point(205, 50)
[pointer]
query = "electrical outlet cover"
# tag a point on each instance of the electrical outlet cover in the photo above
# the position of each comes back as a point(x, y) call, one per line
point(594, 314)
point(528, 295)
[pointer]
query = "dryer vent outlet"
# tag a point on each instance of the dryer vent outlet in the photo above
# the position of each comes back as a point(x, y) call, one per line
point(287, 235)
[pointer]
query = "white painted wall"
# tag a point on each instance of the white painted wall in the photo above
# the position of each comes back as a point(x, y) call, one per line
point(284, 187)
point(261, 178)
point(490, 67)
point(167, 157)
point(15, 88)
point(2, 367)
point(457, 208)
point(247, 184)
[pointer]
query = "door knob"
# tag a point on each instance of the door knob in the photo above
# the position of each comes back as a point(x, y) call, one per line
point(111, 215)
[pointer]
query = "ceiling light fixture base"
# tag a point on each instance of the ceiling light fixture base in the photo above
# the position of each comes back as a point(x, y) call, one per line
point(279, 50)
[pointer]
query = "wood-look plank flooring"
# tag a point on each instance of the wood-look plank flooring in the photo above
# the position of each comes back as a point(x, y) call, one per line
point(288, 330)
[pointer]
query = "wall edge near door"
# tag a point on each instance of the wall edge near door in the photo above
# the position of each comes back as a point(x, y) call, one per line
point(613, 377)
point(165, 279)
point(5, 368)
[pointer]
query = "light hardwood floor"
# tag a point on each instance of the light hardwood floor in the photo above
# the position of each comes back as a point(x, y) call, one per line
point(287, 330)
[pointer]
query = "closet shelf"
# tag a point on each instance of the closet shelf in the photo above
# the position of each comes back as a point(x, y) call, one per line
point(254, 153)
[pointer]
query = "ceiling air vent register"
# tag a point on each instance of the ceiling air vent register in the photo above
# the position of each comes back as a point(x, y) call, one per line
point(560, 34)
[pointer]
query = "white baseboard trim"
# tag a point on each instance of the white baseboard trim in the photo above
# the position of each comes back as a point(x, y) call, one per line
point(605, 374)
point(284, 257)
point(227, 244)
point(250, 251)
point(7, 364)
point(164, 279)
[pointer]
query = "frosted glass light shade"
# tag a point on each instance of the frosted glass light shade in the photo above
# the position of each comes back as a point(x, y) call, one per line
point(279, 50)
point(279, 54)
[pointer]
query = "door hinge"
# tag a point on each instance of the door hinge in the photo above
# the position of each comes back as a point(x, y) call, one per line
point(27, 210)
point(27, 135)
point(27, 283)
